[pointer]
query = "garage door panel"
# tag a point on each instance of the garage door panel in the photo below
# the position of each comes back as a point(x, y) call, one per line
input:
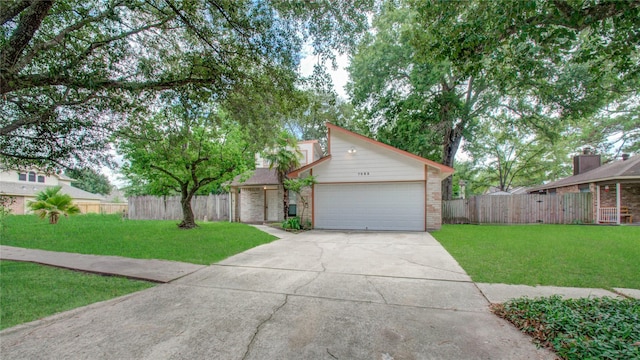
point(390, 206)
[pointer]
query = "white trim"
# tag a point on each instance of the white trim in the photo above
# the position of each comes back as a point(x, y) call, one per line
point(618, 202)
point(597, 204)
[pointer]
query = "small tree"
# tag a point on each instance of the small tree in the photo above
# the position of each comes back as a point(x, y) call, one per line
point(284, 156)
point(187, 148)
point(51, 203)
point(298, 186)
point(5, 209)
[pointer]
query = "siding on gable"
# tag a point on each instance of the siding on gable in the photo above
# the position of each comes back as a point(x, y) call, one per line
point(369, 163)
point(12, 176)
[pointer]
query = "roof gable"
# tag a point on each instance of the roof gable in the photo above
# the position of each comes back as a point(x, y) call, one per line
point(442, 168)
point(32, 189)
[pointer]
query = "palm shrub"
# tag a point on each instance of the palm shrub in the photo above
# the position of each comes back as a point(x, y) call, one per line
point(51, 203)
point(284, 156)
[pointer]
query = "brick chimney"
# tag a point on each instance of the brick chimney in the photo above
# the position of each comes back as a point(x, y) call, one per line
point(585, 161)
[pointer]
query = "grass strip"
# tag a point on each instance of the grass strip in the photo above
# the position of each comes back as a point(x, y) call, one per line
point(557, 255)
point(140, 239)
point(30, 291)
point(587, 328)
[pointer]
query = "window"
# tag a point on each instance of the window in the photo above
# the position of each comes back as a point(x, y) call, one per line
point(551, 191)
point(40, 178)
point(22, 177)
point(32, 176)
point(584, 188)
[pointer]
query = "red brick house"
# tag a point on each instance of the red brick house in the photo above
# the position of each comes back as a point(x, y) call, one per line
point(615, 185)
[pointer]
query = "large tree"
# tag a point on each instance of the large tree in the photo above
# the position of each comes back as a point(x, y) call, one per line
point(185, 148)
point(507, 155)
point(419, 105)
point(318, 108)
point(89, 180)
point(554, 60)
point(71, 71)
point(432, 70)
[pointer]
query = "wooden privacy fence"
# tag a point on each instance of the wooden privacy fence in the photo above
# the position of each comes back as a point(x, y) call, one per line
point(102, 208)
point(205, 207)
point(520, 209)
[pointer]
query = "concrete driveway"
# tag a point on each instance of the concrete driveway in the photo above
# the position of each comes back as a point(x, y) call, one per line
point(316, 295)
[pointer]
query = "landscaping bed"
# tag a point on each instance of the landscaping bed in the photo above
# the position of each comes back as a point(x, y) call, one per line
point(588, 328)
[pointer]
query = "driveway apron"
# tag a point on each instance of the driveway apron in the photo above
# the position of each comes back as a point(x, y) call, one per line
point(315, 295)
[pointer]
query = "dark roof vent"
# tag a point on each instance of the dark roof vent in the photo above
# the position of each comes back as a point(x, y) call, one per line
point(625, 157)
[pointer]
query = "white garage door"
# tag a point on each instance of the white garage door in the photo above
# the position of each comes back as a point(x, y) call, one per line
point(396, 206)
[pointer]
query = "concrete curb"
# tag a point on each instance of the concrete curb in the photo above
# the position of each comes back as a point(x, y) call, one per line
point(499, 293)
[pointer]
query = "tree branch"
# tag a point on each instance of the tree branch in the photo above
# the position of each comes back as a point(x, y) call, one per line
point(31, 81)
point(170, 174)
point(10, 10)
point(30, 22)
point(58, 38)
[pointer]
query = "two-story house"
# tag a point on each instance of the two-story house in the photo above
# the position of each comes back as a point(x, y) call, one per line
point(22, 186)
point(362, 184)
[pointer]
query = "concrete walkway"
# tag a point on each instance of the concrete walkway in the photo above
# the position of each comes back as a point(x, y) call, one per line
point(161, 271)
point(316, 295)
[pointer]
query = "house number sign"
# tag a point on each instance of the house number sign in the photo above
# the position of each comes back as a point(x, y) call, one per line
point(363, 173)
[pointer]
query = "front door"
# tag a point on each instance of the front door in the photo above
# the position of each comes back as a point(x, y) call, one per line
point(271, 211)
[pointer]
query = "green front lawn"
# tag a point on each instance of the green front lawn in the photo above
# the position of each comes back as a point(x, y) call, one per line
point(141, 239)
point(29, 291)
point(560, 255)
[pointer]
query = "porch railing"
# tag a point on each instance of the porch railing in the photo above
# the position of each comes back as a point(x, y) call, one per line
point(608, 215)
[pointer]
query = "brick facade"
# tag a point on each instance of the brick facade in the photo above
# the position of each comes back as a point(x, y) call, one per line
point(629, 196)
point(252, 206)
point(434, 200)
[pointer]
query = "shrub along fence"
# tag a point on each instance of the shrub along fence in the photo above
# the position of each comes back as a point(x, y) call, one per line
point(205, 207)
point(519, 209)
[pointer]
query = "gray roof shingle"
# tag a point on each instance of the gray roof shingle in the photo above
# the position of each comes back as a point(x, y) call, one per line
point(261, 176)
point(615, 170)
point(31, 189)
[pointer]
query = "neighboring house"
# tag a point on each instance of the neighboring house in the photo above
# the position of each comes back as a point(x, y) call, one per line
point(23, 186)
point(260, 198)
point(615, 187)
point(116, 196)
point(364, 184)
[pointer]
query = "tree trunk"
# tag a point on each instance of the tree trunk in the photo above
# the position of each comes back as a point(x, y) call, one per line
point(449, 149)
point(188, 219)
point(53, 218)
point(285, 200)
